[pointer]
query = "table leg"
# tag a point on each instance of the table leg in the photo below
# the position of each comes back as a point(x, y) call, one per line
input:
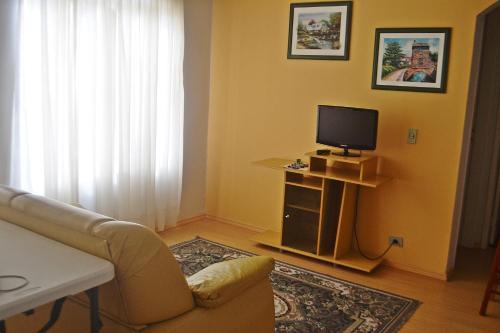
point(95, 320)
point(54, 315)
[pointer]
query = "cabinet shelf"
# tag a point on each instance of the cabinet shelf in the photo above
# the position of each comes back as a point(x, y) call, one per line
point(345, 175)
point(310, 210)
point(344, 159)
point(355, 260)
point(305, 185)
point(351, 259)
point(303, 180)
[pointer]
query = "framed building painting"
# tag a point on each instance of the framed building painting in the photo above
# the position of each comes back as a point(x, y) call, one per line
point(411, 59)
point(320, 30)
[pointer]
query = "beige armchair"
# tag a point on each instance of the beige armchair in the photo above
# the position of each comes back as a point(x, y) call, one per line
point(149, 293)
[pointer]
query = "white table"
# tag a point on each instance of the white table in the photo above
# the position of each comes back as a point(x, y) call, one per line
point(53, 270)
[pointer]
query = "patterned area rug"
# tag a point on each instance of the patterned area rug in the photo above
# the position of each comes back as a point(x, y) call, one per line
point(308, 302)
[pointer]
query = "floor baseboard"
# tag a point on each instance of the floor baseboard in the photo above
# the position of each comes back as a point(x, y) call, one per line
point(183, 222)
point(231, 222)
point(197, 218)
point(416, 270)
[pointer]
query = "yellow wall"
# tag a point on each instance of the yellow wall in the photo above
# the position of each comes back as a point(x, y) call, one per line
point(263, 105)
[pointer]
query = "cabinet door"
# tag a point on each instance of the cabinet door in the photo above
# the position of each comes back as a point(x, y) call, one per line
point(301, 218)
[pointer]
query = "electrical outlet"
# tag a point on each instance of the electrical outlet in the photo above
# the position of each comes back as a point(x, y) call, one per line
point(397, 241)
point(412, 136)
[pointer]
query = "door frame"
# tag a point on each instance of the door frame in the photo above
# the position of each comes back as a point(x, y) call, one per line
point(467, 134)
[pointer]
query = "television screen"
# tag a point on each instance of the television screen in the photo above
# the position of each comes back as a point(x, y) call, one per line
point(346, 127)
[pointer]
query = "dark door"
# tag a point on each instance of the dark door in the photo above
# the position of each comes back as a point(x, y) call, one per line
point(301, 218)
point(480, 215)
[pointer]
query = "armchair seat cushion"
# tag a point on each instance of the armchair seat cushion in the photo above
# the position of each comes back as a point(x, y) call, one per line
point(221, 282)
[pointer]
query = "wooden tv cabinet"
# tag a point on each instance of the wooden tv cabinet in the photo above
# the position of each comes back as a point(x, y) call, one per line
point(319, 208)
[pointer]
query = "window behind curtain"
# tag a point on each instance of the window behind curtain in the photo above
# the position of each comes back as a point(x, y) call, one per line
point(100, 113)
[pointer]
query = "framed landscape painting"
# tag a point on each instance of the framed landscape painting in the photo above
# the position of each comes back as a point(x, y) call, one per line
point(411, 59)
point(320, 30)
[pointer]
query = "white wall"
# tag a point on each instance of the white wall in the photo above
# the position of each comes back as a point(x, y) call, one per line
point(198, 22)
point(8, 12)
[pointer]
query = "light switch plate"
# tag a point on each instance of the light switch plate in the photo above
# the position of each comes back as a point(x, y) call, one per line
point(412, 136)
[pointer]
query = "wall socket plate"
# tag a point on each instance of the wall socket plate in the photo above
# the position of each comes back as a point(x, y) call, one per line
point(412, 136)
point(398, 241)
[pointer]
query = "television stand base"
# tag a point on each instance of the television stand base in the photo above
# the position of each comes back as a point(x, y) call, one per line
point(346, 152)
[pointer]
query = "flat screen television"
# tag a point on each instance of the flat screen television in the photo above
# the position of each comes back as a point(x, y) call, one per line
point(347, 128)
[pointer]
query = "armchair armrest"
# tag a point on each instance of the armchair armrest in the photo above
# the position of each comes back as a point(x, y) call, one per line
point(221, 282)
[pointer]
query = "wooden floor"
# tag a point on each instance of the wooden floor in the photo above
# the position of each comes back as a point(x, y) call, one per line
point(447, 306)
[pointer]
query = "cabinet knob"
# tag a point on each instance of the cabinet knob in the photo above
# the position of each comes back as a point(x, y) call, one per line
point(287, 216)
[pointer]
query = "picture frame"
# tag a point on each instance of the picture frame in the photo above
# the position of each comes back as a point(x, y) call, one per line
point(320, 30)
point(411, 59)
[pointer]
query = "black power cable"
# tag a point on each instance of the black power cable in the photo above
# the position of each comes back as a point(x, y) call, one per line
point(356, 233)
point(18, 277)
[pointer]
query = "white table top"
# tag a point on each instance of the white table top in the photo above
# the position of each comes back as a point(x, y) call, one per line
point(54, 270)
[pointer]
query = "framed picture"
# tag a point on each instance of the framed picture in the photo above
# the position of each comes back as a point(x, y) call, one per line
point(320, 30)
point(411, 59)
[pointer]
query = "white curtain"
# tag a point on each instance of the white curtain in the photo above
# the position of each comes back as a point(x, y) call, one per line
point(99, 119)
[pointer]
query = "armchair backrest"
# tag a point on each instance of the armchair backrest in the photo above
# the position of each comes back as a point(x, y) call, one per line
point(148, 286)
